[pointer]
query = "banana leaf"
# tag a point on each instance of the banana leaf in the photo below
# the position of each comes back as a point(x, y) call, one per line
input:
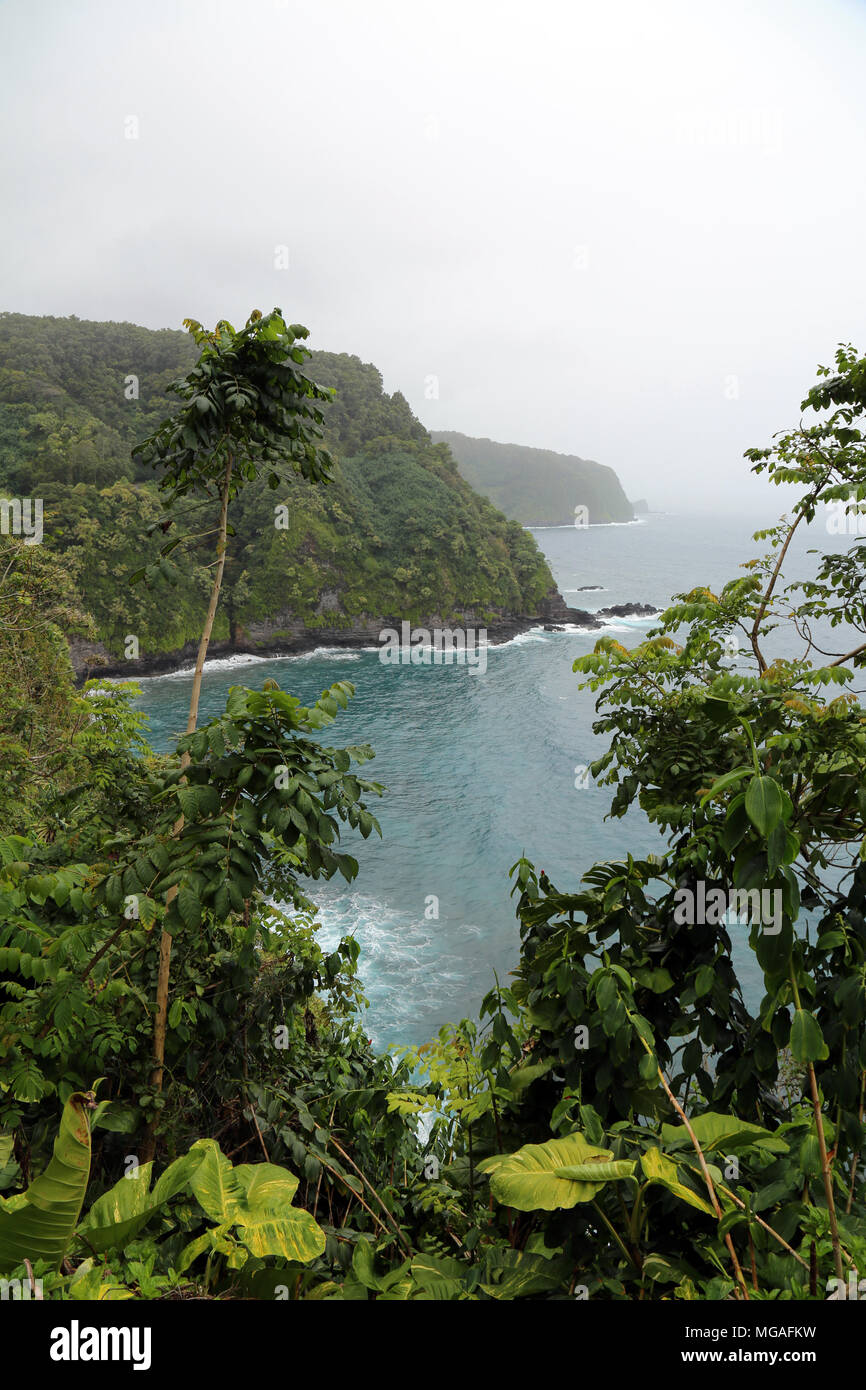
point(39, 1224)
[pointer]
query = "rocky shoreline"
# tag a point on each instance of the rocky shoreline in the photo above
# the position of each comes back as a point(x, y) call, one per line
point(286, 636)
point(579, 617)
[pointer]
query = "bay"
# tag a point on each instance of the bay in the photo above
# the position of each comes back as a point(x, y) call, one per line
point(481, 768)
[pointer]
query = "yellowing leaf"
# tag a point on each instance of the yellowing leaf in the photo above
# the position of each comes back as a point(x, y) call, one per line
point(658, 1168)
point(536, 1177)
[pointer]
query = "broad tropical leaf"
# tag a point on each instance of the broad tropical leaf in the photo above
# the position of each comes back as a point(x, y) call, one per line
point(512, 1274)
point(658, 1168)
point(614, 1171)
point(214, 1183)
point(439, 1279)
point(295, 1235)
point(120, 1213)
point(40, 1226)
point(536, 1177)
point(722, 1133)
point(266, 1186)
point(256, 1199)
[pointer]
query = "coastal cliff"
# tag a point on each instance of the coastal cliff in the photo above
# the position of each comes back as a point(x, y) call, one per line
point(538, 487)
point(398, 534)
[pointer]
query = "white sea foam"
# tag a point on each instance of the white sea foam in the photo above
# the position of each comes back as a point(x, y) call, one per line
point(534, 634)
point(563, 629)
point(402, 958)
point(220, 663)
point(610, 625)
point(326, 654)
point(334, 653)
point(229, 663)
point(593, 526)
point(636, 619)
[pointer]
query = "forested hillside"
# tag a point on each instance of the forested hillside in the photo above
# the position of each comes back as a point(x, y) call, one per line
point(537, 487)
point(399, 533)
point(620, 1122)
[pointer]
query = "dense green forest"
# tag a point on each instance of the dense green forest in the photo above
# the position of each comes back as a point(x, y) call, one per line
point(398, 534)
point(188, 1103)
point(538, 487)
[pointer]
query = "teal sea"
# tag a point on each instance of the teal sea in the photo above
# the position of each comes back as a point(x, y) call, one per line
point(480, 768)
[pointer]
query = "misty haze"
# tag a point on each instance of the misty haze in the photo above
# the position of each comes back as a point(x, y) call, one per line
point(433, 821)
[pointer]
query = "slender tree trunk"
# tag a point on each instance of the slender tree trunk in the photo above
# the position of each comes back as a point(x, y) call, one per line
point(826, 1167)
point(161, 1020)
point(212, 606)
point(826, 1173)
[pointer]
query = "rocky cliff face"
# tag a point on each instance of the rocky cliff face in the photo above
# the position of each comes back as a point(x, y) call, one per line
point(286, 634)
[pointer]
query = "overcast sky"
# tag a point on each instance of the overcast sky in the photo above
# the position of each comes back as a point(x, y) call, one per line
point(621, 229)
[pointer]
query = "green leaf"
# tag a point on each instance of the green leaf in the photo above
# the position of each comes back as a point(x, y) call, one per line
point(256, 1198)
point(807, 1041)
point(115, 1117)
point(764, 804)
point(267, 1222)
point(722, 1133)
point(440, 1278)
point(533, 1178)
point(89, 1285)
point(509, 1274)
point(660, 1169)
point(41, 1224)
point(189, 907)
point(214, 1183)
point(295, 1235)
point(217, 1238)
point(363, 1265)
point(704, 981)
point(147, 911)
point(116, 1217)
point(648, 1069)
point(720, 712)
point(114, 892)
point(614, 1171)
point(524, 1076)
point(266, 1187)
point(722, 783)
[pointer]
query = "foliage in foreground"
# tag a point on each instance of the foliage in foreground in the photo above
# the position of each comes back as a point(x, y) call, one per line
point(619, 1124)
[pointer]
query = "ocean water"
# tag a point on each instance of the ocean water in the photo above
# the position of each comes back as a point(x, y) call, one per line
point(480, 768)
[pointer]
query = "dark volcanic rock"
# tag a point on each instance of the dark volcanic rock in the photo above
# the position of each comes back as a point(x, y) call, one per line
point(286, 635)
point(628, 610)
point(556, 610)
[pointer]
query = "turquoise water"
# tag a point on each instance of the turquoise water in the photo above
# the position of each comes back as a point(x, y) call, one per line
point(480, 768)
